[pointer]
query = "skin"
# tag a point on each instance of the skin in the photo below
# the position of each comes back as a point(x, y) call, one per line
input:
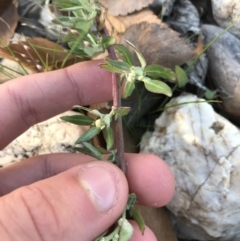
point(47, 197)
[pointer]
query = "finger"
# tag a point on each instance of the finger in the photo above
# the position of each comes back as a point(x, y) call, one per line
point(148, 235)
point(151, 179)
point(31, 99)
point(38, 168)
point(148, 176)
point(78, 204)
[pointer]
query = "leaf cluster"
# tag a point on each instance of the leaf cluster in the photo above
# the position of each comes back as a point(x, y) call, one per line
point(80, 16)
point(98, 125)
point(151, 75)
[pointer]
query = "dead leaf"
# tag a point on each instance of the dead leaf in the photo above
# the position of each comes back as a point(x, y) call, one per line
point(8, 20)
point(124, 7)
point(38, 54)
point(158, 44)
point(117, 25)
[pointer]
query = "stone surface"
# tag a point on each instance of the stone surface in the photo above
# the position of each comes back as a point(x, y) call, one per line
point(226, 12)
point(51, 136)
point(203, 149)
point(224, 68)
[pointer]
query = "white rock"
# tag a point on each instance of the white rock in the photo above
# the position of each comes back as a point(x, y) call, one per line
point(226, 12)
point(203, 150)
point(51, 136)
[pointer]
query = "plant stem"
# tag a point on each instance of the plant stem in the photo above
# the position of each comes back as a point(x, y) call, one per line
point(117, 103)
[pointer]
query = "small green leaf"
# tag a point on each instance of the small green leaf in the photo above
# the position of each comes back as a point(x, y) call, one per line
point(75, 8)
point(182, 78)
point(102, 150)
point(109, 137)
point(139, 55)
point(158, 71)
point(107, 41)
point(125, 53)
point(121, 66)
point(97, 113)
point(91, 51)
point(138, 218)
point(128, 88)
point(209, 94)
point(121, 111)
point(107, 119)
point(113, 157)
point(88, 135)
point(110, 68)
point(95, 152)
point(63, 4)
point(157, 86)
point(84, 150)
point(78, 119)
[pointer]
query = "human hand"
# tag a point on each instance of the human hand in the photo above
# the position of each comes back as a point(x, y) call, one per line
point(68, 196)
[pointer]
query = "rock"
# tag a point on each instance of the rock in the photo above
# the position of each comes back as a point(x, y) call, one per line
point(203, 149)
point(184, 18)
point(224, 67)
point(226, 12)
point(51, 136)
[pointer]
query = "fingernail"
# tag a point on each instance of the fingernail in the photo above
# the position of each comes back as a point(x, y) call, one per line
point(101, 185)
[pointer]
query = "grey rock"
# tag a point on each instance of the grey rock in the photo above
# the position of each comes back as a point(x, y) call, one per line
point(224, 67)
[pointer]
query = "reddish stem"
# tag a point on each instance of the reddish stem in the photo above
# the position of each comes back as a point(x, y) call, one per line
point(117, 103)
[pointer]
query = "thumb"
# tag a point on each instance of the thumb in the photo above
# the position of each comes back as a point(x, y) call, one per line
point(78, 204)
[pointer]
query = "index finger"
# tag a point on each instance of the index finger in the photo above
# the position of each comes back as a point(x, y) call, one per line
point(30, 99)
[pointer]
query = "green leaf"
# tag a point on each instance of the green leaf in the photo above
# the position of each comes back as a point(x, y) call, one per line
point(84, 150)
point(128, 88)
point(110, 68)
point(113, 157)
point(78, 119)
point(94, 151)
point(109, 137)
point(182, 78)
point(157, 86)
point(121, 111)
point(158, 71)
point(125, 53)
point(107, 41)
point(121, 66)
point(107, 119)
point(139, 55)
point(63, 4)
point(85, 26)
point(88, 135)
point(209, 94)
point(97, 113)
point(91, 51)
point(102, 150)
point(138, 218)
